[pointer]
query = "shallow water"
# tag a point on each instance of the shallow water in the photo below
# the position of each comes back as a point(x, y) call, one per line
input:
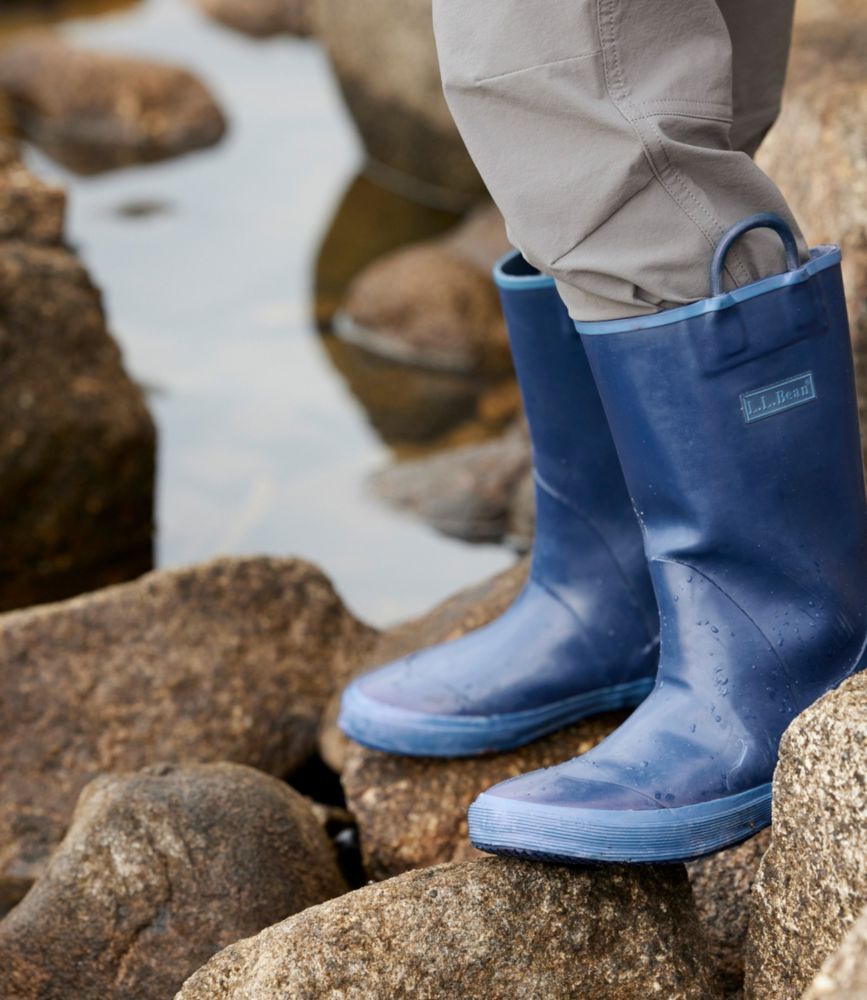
point(207, 267)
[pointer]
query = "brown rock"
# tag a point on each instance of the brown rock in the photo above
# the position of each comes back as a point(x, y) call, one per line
point(461, 613)
point(412, 811)
point(232, 660)
point(30, 209)
point(812, 882)
point(93, 111)
point(261, 18)
point(844, 974)
point(433, 304)
point(158, 871)
point(817, 152)
point(721, 885)
point(493, 928)
point(385, 60)
point(76, 441)
point(467, 492)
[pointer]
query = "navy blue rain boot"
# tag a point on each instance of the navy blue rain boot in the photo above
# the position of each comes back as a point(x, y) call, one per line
point(582, 637)
point(736, 423)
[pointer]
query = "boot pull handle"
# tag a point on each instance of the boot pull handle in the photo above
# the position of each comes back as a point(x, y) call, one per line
point(762, 220)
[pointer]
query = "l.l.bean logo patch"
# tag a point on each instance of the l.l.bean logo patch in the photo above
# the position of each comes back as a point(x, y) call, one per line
point(777, 398)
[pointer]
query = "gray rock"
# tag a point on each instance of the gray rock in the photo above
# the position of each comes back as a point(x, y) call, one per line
point(30, 209)
point(812, 882)
point(94, 111)
point(158, 871)
point(412, 811)
point(844, 974)
point(384, 56)
point(492, 928)
point(232, 660)
point(721, 885)
point(467, 492)
point(261, 18)
point(77, 443)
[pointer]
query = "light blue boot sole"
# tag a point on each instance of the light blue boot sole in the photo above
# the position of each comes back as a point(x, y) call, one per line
point(416, 734)
point(572, 835)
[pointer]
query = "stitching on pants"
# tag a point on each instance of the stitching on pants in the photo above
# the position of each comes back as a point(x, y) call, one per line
point(543, 65)
point(615, 82)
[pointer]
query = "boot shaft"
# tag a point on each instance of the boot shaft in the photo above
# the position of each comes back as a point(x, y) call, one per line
point(736, 423)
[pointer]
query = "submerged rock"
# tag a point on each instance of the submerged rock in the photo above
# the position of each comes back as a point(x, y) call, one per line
point(385, 60)
point(812, 882)
point(434, 303)
point(94, 111)
point(77, 443)
point(231, 660)
point(492, 928)
point(158, 871)
point(261, 18)
point(467, 492)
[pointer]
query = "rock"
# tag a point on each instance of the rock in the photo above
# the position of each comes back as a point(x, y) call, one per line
point(721, 885)
point(412, 811)
point(232, 660)
point(76, 441)
point(469, 609)
point(817, 152)
point(93, 111)
point(466, 492)
point(384, 57)
point(433, 303)
point(30, 209)
point(812, 882)
point(493, 928)
point(844, 974)
point(261, 18)
point(159, 870)
point(522, 514)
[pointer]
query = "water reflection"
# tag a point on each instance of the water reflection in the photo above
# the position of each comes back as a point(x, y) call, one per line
point(207, 265)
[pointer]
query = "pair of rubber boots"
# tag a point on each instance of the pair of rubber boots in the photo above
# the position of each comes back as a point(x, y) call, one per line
point(701, 550)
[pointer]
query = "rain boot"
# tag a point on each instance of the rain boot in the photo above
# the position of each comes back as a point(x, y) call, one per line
point(582, 637)
point(736, 423)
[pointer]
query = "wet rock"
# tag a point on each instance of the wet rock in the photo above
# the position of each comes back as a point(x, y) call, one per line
point(231, 660)
point(466, 492)
point(412, 811)
point(434, 303)
point(721, 885)
point(261, 18)
point(94, 111)
point(493, 928)
point(76, 441)
point(812, 882)
point(467, 610)
point(817, 152)
point(30, 209)
point(159, 870)
point(385, 60)
point(844, 974)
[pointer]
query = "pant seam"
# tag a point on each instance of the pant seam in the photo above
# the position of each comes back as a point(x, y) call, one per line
point(618, 92)
point(542, 65)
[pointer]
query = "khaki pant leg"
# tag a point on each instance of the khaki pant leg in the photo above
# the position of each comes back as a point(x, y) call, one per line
point(761, 34)
point(602, 129)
